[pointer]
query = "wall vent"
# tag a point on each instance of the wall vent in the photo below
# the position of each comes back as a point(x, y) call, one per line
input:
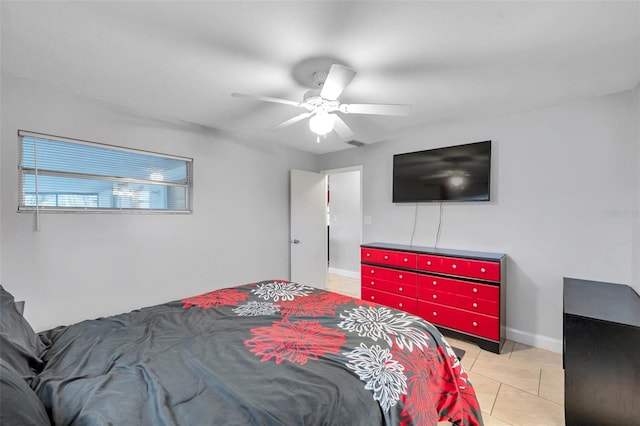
point(355, 143)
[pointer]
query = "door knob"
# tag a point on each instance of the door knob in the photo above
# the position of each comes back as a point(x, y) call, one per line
point(296, 241)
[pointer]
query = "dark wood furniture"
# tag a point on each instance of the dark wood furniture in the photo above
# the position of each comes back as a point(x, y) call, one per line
point(462, 292)
point(601, 356)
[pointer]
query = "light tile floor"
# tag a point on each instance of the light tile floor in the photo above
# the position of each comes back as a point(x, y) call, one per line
point(522, 386)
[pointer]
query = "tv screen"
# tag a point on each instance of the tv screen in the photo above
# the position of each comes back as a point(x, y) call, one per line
point(454, 173)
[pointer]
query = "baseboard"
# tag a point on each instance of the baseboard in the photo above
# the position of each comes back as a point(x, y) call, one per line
point(537, 340)
point(344, 273)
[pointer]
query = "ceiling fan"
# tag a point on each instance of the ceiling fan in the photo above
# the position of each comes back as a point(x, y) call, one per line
point(323, 104)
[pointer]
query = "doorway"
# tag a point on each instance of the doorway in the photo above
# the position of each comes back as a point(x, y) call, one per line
point(344, 229)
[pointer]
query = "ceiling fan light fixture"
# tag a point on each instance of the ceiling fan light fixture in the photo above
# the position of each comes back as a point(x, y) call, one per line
point(323, 100)
point(321, 123)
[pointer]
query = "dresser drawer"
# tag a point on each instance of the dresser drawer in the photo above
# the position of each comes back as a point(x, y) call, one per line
point(377, 272)
point(479, 291)
point(455, 266)
point(405, 260)
point(477, 305)
point(403, 303)
point(402, 277)
point(479, 269)
point(389, 257)
point(430, 263)
point(443, 264)
point(438, 283)
point(373, 282)
point(401, 289)
point(465, 321)
point(372, 255)
point(440, 297)
point(437, 314)
point(473, 304)
point(483, 270)
point(367, 254)
point(479, 324)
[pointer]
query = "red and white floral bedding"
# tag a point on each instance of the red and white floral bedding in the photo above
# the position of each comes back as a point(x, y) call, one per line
point(267, 353)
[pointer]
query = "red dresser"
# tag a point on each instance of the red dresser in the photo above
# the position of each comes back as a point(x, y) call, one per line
point(462, 292)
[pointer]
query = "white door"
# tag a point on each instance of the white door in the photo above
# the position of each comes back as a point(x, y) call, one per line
point(308, 240)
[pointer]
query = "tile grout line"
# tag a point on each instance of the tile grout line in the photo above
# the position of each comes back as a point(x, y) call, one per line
point(539, 382)
point(474, 361)
point(495, 400)
point(514, 387)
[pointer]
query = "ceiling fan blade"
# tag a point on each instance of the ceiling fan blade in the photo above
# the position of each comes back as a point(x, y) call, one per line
point(377, 109)
point(291, 121)
point(338, 78)
point(267, 99)
point(341, 128)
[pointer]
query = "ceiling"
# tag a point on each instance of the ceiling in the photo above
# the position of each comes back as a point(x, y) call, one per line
point(449, 60)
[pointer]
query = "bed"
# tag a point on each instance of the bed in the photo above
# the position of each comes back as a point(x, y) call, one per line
point(266, 353)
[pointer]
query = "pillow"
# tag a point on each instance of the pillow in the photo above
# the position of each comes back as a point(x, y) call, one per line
point(20, 346)
point(20, 307)
point(20, 404)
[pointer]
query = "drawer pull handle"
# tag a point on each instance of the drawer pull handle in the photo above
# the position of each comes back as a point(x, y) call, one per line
point(400, 276)
point(483, 270)
point(400, 304)
point(400, 289)
point(435, 296)
point(386, 257)
point(368, 254)
point(373, 271)
point(475, 290)
point(373, 283)
point(435, 314)
point(454, 266)
point(435, 282)
point(373, 298)
point(406, 260)
point(475, 324)
point(428, 263)
point(475, 305)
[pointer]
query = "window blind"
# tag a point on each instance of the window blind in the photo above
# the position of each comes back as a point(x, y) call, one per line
point(62, 174)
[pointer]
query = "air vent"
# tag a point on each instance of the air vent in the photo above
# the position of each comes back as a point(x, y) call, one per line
point(355, 143)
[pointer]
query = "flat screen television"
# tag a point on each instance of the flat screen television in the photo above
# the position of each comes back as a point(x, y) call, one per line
point(453, 173)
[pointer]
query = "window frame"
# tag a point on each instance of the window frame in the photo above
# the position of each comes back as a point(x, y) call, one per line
point(35, 171)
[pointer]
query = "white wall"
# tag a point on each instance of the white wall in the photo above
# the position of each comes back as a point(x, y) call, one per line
point(346, 223)
point(1, 168)
point(560, 176)
point(635, 257)
point(87, 265)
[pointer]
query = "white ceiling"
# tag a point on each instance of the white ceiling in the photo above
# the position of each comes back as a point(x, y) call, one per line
point(182, 60)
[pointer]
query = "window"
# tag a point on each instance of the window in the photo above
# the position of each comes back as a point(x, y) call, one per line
point(61, 174)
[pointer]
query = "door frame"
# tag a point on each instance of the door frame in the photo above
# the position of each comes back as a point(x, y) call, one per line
point(358, 168)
